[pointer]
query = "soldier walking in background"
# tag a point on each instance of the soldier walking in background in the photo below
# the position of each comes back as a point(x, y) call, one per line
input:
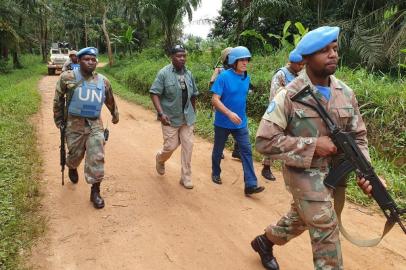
point(173, 94)
point(230, 92)
point(72, 63)
point(85, 93)
point(282, 77)
point(295, 134)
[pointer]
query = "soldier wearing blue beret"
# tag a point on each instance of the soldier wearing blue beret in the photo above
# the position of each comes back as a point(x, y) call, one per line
point(85, 92)
point(291, 132)
point(281, 78)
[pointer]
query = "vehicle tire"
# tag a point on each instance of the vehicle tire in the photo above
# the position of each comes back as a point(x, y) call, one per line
point(51, 71)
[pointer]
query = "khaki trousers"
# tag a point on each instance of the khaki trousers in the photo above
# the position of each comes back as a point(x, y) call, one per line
point(173, 137)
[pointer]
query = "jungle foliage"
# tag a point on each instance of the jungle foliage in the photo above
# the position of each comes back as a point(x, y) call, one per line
point(31, 26)
point(372, 32)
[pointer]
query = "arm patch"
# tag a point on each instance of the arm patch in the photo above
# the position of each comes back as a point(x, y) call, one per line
point(275, 112)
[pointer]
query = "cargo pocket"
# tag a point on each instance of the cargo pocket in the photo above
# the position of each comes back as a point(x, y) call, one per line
point(306, 123)
point(345, 115)
point(170, 90)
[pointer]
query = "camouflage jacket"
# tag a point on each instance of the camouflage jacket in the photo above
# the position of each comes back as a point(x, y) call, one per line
point(65, 87)
point(278, 81)
point(289, 130)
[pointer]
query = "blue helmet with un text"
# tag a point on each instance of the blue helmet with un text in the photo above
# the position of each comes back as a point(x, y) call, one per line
point(236, 53)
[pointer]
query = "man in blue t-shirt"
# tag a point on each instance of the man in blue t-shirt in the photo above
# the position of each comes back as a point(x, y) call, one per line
point(230, 92)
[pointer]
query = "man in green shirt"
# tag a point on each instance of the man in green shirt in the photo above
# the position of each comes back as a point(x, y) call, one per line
point(173, 94)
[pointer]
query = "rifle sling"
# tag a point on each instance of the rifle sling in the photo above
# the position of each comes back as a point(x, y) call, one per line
point(339, 199)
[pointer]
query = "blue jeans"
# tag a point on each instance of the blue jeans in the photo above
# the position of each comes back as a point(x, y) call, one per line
point(241, 136)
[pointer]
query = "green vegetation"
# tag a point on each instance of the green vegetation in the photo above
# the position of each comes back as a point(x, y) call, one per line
point(376, 94)
point(372, 32)
point(19, 163)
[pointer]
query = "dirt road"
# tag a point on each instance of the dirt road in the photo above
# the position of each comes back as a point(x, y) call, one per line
point(151, 222)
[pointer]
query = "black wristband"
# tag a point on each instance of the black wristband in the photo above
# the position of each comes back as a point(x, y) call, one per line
point(159, 114)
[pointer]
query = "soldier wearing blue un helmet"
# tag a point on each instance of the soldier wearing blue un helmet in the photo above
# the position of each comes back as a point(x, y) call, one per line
point(230, 92)
point(85, 91)
point(72, 62)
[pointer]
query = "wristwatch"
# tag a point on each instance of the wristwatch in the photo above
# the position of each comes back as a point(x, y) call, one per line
point(160, 114)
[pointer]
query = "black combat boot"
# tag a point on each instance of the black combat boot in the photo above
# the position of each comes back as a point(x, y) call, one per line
point(263, 246)
point(73, 175)
point(98, 201)
point(267, 173)
point(252, 190)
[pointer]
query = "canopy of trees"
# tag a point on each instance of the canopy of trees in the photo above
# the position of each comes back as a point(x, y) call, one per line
point(373, 32)
point(32, 25)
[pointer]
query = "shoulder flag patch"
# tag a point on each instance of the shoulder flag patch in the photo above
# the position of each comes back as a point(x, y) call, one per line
point(271, 107)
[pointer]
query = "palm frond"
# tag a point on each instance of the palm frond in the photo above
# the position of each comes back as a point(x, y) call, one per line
point(369, 46)
point(256, 6)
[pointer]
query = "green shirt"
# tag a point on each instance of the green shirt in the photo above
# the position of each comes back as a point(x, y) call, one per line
point(168, 88)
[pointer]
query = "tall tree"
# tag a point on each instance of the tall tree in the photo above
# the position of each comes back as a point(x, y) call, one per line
point(170, 14)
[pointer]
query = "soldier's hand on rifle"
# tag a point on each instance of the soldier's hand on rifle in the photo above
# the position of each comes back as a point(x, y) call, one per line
point(325, 147)
point(366, 187)
point(165, 120)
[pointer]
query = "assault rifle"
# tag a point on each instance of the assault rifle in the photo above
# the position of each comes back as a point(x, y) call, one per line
point(62, 151)
point(354, 160)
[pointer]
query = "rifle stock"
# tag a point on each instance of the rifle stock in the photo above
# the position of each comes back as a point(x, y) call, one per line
point(354, 160)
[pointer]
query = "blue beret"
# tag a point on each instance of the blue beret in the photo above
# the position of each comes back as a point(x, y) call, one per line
point(295, 58)
point(314, 40)
point(87, 51)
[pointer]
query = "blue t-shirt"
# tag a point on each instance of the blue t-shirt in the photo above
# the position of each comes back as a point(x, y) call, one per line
point(325, 91)
point(233, 90)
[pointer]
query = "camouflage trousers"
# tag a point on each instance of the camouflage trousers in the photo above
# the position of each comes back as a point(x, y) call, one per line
point(311, 209)
point(85, 137)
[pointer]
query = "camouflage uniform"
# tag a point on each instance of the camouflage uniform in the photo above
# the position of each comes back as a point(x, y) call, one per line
point(83, 134)
point(278, 81)
point(289, 131)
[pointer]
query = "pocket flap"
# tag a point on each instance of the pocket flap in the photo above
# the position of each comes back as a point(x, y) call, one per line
point(345, 112)
point(306, 113)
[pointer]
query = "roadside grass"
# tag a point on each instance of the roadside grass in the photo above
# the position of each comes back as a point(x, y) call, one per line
point(20, 163)
point(131, 79)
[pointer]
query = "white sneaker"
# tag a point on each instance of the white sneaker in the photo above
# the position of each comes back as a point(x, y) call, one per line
point(186, 184)
point(160, 166)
